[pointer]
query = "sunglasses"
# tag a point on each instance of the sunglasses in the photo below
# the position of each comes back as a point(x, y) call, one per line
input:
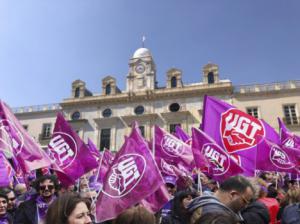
point(49, 187)
point(12, 199)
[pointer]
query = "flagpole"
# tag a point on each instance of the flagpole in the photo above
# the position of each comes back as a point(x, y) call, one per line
point(94, 200)
point(100, 164)
point(276, 183)
point(199, 183)
point(153, 141)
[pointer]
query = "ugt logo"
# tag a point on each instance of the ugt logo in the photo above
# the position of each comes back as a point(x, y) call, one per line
point(63, 149)
point(279, 158)
point(11, 139)
point(219, 161)
point(289, 142)
point(239, 130)
point(167, 168)
point(172, 146)
point(125, 174)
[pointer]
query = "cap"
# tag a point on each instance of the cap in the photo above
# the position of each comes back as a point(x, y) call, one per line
point(170, 180)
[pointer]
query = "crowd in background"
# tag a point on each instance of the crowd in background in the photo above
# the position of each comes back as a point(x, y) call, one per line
point(269, 198)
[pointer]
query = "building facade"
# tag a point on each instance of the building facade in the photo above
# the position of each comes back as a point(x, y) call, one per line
point(105, 118)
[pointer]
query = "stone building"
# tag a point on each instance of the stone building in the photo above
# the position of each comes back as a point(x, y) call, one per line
point(105, 118)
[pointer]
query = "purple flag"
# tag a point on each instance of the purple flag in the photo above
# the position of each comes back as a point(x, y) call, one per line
point(71, 156)
point(172, 150)
point(132, 177)
point(235, 131)
point(19, 175)
point(272, 157)
point(16, 141)
point(6, 172)
point(221, 165)
point(287, 138)
point(107, 160)
point(93, 149)
point(157, 200)
point(182, 135)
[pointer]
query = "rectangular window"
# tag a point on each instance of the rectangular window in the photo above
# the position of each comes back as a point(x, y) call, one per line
point(290, 114)
point(105, 139)
point(25, 126)
point(142, 129)
point(46, 132)
point(253, 111)
point(173, 127)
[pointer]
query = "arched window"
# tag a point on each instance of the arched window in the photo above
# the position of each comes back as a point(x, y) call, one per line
point(107, 89)
point(77, 92)
point(173, 82)
point(210, 78)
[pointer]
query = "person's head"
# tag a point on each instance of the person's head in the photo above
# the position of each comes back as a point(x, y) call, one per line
point(11, 198)
point(46, 186)
point(292, 196)
point(84, 185)
point(235, 192)
point(267, 176)
point(69, 208)
point(170, 182)
point(135, 215)
point(20, 189)
point(3, 204)
point(272, 191)
point(216, 218)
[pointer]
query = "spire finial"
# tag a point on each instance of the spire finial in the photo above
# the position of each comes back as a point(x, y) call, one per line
point(143, 41)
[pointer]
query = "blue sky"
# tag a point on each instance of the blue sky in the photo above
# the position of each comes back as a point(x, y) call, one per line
point(45, 45)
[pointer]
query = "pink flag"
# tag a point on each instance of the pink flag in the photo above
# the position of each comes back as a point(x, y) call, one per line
point(235, 131)
point(157, 200)
point(287, 138)
point(132, 177)
point(6, 172)
point(15, 141)
point(172, 150)
point(221, 165)
point(272, 157)
point(93, 149)
point(71, 156)
point(182, 135)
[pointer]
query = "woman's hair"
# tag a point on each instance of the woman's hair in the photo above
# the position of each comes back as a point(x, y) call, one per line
point(60, 210)
point(135, 215)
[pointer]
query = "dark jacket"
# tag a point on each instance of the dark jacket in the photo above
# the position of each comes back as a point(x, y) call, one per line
point(256, 213)
point(211, 205)
point(26, 213)
point(291, 214)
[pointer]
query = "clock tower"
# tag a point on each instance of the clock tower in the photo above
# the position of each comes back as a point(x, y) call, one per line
point(142, 71)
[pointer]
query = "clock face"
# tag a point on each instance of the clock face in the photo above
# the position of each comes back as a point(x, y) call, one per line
point(140, 68)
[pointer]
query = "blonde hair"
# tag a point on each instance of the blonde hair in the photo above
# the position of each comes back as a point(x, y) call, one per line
point(292, 196)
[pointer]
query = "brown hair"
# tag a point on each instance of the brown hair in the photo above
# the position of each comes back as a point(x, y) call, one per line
point(135, 215)
point(62, 207)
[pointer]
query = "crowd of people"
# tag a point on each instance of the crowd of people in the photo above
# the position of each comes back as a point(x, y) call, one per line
point(269, 198)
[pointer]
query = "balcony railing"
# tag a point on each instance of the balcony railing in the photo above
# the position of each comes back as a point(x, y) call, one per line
point(37, 108)
point(294, 84)
point(291, 121)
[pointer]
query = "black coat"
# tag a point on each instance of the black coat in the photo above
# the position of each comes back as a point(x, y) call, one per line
point(256, 213)
point(26, 213)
